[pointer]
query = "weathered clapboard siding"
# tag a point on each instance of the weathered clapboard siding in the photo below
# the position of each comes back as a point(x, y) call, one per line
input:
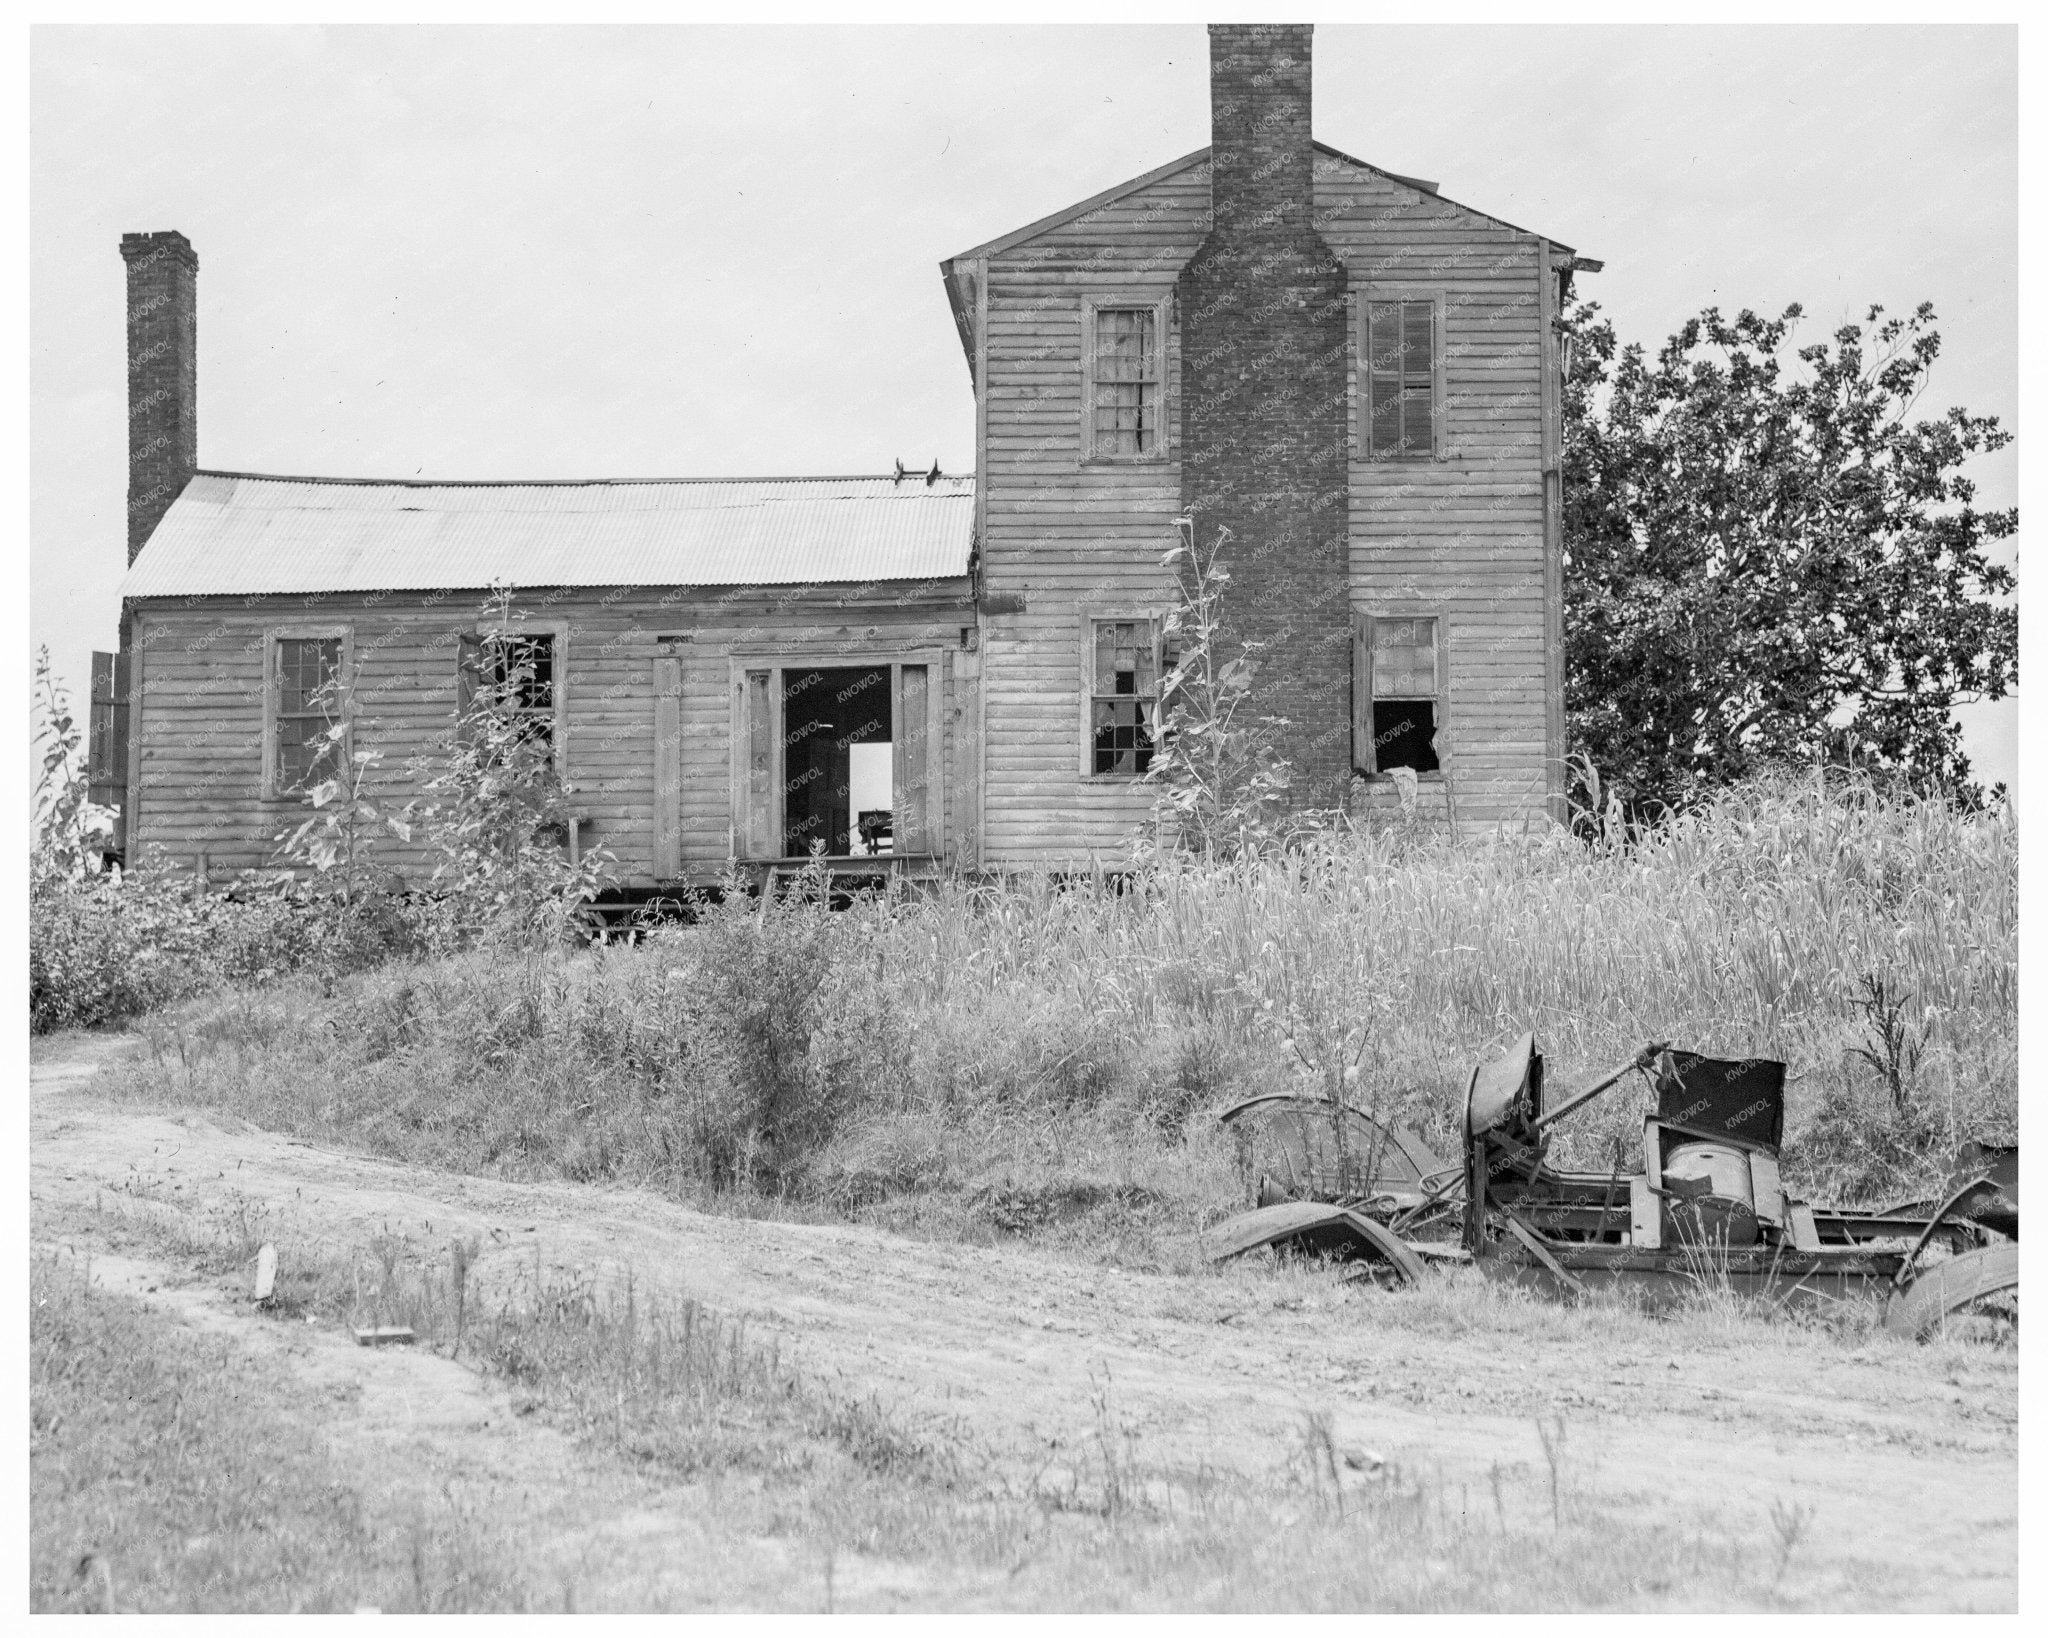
point(1462, 536)
point(1062, 537)
point(199, 718)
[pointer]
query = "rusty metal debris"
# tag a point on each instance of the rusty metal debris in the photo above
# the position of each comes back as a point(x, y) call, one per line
point(1704, 1204)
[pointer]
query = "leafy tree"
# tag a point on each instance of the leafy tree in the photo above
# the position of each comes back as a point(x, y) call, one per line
point(1767, 560)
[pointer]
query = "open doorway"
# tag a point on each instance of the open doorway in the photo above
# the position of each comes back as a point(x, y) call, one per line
point(838, 760)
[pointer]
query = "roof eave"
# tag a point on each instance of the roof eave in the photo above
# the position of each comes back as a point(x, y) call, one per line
point(1059, 218)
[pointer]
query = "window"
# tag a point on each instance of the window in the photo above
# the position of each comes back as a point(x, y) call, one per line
point(304, 706)
point(1402, 378)
point(1126, 384)
point(1400, 692)
point(1123, 696)
point(518, 673)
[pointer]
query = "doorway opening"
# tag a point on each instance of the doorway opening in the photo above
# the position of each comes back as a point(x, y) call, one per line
point(838, 760)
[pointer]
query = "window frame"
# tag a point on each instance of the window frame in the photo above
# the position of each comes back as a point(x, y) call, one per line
point(1084, 638)
point(273, 680)
point(1161, 309)
point(1365, 295)
point(1364, 760)
point(518, 627)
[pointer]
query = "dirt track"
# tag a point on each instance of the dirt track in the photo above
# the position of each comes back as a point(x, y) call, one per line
point(1910, 1463)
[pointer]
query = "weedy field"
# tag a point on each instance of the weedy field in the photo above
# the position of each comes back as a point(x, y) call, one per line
point(1042, 1056)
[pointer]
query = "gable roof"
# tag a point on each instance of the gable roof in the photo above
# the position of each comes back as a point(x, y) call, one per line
point(241, 534)
point(959, 289)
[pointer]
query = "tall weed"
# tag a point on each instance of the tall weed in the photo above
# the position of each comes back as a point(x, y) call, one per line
point(1068, 1038)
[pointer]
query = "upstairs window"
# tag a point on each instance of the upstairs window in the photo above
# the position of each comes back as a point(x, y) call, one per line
point(1123, 696)
point(1399, 693)
point(1402, 369)
point(1126, 384)
point(305, 710)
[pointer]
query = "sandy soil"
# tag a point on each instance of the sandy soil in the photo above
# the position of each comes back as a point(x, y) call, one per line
point(1909, 1460)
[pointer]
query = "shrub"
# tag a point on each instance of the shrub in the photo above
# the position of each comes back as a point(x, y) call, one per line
point(111, 947)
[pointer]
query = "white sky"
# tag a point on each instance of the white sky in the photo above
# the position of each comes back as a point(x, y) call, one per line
point(506, 253)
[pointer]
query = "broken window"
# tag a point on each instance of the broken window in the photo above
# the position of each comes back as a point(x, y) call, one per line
point(1127, 389)
point(305, 708)
point(1400, 368)
point(1123, 702)
point(1401, 693)
point(517, 675)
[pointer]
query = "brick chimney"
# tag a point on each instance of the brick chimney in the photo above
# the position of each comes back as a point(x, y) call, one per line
point(1263, 405)
point(163, 375)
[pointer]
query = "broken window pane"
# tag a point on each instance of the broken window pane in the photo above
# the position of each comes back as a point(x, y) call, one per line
point(518, 675)
point(1404, 689)
point(1124, 696)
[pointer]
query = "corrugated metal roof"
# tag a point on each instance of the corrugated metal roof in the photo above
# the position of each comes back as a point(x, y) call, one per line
point(232, 534)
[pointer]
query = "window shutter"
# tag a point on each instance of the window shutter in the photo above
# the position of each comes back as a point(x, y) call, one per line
point(910, 801)
point(1361, 694)
point(1383, 376)
point(754, 783)
point(668, 768)
point(1418, 376)
point(469, 660)
point(107, 739)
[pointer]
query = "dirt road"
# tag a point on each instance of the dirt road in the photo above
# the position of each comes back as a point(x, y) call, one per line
point(1908, 1457)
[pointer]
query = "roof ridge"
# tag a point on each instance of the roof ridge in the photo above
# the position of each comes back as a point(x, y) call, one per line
point(572, 483)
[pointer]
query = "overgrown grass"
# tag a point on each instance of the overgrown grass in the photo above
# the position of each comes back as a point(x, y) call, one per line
point(170, 1472)
point(1040, 1056)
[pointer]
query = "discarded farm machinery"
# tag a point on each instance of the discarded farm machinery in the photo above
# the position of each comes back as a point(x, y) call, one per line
point(1705, 1204)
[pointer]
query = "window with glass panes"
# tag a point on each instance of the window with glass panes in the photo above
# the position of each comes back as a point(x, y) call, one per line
point(1127, 395)
point(1400, 352)
point(1405, 692)
point(1123, 696)
point(308, 676)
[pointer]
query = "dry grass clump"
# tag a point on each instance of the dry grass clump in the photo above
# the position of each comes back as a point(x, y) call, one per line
point(1040, 1055)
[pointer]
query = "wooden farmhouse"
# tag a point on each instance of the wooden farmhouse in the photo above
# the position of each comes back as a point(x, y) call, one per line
point(1354, 376)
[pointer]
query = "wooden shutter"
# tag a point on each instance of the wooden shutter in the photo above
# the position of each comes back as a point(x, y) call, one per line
point(469, 661)
point(911, 799)
point(757, 814)
point(1361, 694)
point(1402, 369)
point(1418, 377)
point(668, 768)
point(107, 739)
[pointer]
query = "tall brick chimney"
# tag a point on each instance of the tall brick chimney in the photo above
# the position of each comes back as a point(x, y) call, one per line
point(1263, 407)
point(163, 375)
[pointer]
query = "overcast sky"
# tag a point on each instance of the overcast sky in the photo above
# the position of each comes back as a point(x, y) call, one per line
point(538, 253)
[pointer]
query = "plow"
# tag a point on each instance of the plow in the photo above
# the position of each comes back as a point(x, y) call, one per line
point(1701, 1205)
